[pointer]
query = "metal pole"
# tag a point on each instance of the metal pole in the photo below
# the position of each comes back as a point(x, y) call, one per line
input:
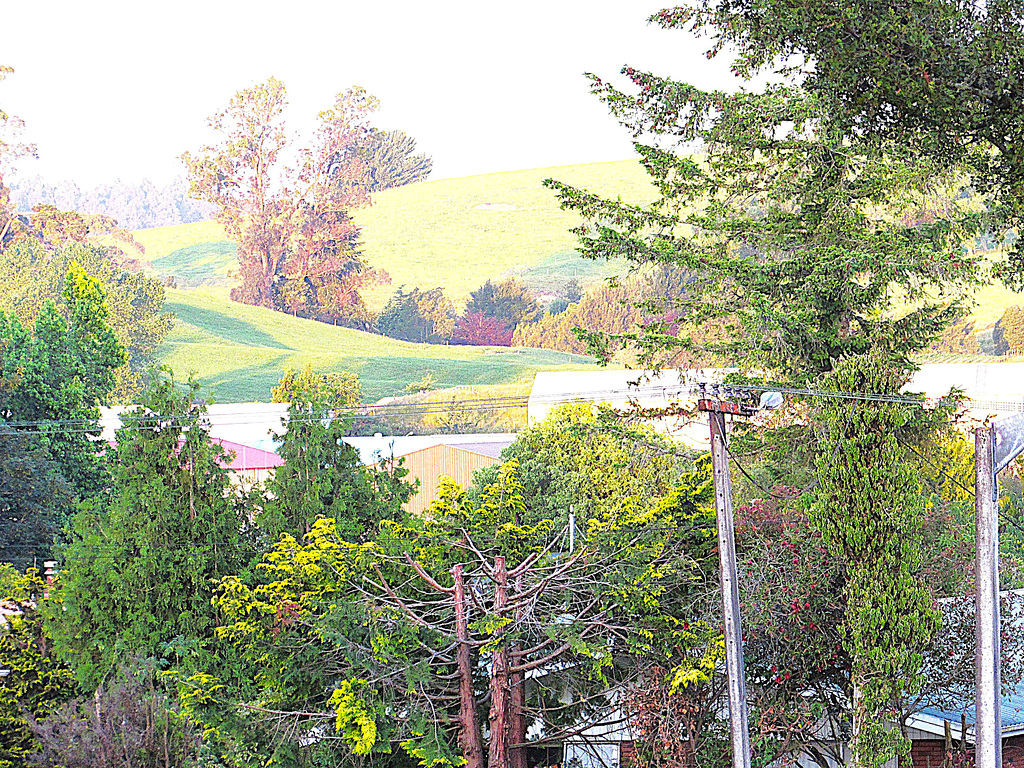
point(730, 595)
point(988, 715)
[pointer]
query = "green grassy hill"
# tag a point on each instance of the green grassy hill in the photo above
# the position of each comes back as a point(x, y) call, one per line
point(453, 233)
point(239, 352)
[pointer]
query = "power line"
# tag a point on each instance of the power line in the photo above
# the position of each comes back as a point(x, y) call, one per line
point(454, 407)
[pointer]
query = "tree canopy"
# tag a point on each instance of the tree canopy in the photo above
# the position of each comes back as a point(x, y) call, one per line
point(138, 564)
point(941, 76)
point(298, 246)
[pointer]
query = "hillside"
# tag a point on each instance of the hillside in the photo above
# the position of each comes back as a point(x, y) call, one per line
point(238, 352)
point(453, 233)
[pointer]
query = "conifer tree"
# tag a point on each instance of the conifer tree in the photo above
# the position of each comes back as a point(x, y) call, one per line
point(138, 570)
point(323, 476)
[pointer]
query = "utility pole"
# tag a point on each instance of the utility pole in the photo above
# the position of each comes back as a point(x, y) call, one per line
point(716, 409)
point(994, 448)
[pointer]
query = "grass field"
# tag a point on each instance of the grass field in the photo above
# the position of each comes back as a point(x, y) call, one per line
point(239, 352)
point(453, 233)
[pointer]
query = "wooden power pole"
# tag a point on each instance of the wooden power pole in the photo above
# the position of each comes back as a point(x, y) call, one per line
point(716, 409)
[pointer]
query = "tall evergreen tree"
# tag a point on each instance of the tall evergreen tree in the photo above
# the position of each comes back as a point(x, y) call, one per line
point(59, 374)
point(322, 476)
point(138, 570)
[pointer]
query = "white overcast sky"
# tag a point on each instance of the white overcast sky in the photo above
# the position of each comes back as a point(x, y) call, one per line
point(119, 89)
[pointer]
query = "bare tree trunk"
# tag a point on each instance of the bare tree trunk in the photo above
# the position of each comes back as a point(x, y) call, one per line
point(470, 740)
point(497, 753)
point(856, 759)
point(517, 720)
point(517, 724)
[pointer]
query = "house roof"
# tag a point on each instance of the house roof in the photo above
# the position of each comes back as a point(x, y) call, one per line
point(931, 719)
point(382, 447)
point(246, 457)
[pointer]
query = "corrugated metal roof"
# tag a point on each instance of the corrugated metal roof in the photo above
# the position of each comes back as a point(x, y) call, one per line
point(1012, 711)
point(382, 447)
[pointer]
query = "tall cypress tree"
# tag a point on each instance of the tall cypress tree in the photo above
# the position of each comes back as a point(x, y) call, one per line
point(322, 476)
point(138, 572)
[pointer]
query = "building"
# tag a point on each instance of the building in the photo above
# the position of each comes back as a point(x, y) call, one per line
point(428, 458)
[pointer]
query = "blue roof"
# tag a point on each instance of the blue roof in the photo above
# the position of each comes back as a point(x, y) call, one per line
point(1012, 710)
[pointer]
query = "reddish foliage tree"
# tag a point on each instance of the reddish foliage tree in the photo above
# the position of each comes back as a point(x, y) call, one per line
point(297, 244)
point(477, 329)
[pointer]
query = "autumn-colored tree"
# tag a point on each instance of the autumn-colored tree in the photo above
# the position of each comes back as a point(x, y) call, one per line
point(477, 329)
point(297, 244)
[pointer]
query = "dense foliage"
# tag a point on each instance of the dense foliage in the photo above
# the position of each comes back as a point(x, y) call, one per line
point(415, 315)
point(60, 371)
point(335, 390)
point(609, 308)
point(139, 562)
point(330, 615)
point(323, 477)
point(493, 312)
point(32, 274)
point(941, 77)
point(36, 683)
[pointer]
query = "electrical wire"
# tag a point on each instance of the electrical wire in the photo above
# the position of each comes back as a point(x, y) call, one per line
point(447, 407)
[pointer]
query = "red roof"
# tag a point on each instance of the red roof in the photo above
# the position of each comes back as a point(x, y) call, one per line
point(247, 457)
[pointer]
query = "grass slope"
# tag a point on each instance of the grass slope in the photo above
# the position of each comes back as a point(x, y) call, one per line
point(453, 233)
point(239, 352)
point(458, 232)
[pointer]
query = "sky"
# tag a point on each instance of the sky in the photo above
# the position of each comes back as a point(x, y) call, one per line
point(118, 90)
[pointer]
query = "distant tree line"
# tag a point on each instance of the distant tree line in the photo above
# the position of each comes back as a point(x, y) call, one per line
point(490, 317)
point(132, 206)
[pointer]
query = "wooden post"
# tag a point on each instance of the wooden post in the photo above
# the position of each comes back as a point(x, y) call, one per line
point(739, 734)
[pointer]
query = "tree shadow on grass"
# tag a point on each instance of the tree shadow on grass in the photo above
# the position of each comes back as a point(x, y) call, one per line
point(200, 264)
point(224, 326)
point(251, 384)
